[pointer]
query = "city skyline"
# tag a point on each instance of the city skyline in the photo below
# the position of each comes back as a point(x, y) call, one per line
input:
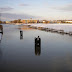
point(39, 9)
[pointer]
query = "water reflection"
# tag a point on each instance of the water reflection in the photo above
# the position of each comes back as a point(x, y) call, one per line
point(25, 27)
point(37, 46)
point(1, 32)
point(0, 53)
point(21, 34)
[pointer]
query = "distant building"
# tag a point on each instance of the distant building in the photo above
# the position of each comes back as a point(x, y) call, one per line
point(29, 21)
point(7, 22)
point(68, 21)
point(45, 21)
point(58, 21)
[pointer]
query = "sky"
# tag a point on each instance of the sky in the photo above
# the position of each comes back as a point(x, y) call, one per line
point(43, 9)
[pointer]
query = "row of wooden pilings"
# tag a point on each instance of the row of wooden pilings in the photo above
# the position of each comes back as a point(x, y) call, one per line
point(51, 30)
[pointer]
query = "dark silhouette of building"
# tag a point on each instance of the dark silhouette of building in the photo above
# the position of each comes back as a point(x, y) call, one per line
point(37, 46)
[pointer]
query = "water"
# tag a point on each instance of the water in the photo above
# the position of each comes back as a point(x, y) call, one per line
point(18, 54)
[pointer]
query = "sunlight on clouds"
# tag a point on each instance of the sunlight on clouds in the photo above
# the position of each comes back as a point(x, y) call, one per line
point(23, 4)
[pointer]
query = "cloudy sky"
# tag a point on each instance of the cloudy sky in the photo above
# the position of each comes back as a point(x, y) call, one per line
point(43, 9)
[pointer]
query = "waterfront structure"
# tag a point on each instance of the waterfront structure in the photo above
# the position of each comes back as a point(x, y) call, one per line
point(68, 21)
point(7, 22)
point(44, 21)
point(29, 21)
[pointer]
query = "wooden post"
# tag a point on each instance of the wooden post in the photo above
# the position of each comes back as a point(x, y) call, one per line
point(21, 34)
point(37, 46)
point(1, 29)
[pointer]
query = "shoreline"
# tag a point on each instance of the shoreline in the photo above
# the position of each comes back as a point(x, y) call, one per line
point(55, 28)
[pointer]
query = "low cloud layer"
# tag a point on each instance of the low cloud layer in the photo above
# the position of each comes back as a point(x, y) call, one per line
point(64, 8)
point(67, 7)
point(9, 16)
point(2, 9)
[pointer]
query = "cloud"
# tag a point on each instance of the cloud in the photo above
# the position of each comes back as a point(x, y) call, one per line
point(2, 9)
point(23, 4)
point(67, 7)
point(10, 16)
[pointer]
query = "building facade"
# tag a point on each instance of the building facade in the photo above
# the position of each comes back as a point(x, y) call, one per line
point(68, 21)
point(29, 21)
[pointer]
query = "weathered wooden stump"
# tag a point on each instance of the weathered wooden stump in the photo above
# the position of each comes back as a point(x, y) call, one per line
point(37, 46)
point(21, 34)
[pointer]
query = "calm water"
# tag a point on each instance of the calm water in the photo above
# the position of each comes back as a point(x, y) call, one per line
point(18, 54)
